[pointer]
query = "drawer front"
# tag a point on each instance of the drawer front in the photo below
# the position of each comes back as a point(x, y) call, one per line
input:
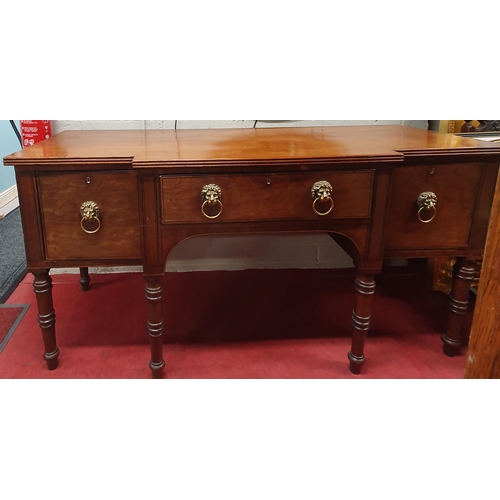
point(266, 197)
point(116, 195)
point(456, 188)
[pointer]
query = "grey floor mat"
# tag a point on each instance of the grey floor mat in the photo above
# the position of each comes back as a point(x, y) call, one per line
point(12, 256)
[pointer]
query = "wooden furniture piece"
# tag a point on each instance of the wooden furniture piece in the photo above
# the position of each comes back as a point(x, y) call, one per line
point(105, 198)
point(440, 269)
point(483, 357)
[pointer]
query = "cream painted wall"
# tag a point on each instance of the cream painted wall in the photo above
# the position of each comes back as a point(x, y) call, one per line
point(273, 251)
point(60, 125)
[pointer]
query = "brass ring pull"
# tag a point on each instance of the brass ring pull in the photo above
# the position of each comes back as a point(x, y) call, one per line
point(426, 203)
point(88, 231)
point(211, 195)
point(426, 221)
point(90, 214)
point(328, 198)
point(208, 203)
point(322, 192)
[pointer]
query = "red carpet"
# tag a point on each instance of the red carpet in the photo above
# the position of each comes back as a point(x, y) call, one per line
point(248, 324)
point(10, 317)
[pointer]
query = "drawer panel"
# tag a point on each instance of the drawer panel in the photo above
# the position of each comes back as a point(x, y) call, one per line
point(267, 196)
point(456, 188)
point(116, 194)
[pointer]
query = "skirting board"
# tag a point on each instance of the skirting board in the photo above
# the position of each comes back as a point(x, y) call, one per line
point(8, 201)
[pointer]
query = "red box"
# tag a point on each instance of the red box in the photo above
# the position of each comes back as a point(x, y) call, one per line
point(34, 131)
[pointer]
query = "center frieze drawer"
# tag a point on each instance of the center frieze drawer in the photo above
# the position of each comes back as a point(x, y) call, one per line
point(298, 196)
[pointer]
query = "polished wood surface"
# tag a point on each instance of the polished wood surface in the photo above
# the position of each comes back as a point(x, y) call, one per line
point(203, 148)
point(148, 188)
point(483, 358)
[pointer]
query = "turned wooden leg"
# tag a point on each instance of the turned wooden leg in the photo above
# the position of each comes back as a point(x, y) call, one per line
point(365, 288)
point(84, 279)
point(155, 325)
point(458, 303)
point(42, 286)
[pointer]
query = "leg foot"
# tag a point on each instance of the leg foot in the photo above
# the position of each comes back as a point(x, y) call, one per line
point(157, 369)
point(51, 359)
point(451, 347)
point(355, 363)
point(84, 279)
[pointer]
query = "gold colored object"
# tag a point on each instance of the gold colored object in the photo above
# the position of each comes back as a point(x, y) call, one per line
point(90, 213)
point(440, 274)
point(426, 203)
point(322, 192)
point(211, 194)
point(457, 126)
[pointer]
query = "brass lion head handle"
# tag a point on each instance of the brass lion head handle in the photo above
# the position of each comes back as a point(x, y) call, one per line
point(322, 195)
point(426, 203)
point(90, 222)
point(211, 195)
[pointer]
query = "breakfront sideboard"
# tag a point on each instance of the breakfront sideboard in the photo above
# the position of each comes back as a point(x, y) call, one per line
point(107, 198)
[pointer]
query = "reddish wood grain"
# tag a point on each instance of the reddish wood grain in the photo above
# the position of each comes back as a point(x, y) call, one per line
point(455, 186)
point(202, 148)
point(483, 360)
point(267, 197)
point(116, 195)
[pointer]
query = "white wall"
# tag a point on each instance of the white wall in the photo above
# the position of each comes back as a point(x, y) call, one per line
point(239, 252)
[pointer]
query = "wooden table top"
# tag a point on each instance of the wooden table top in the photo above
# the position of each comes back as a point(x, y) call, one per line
point(146, 148)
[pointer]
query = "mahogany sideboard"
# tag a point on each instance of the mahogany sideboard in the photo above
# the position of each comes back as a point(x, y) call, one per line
point(107, 198)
